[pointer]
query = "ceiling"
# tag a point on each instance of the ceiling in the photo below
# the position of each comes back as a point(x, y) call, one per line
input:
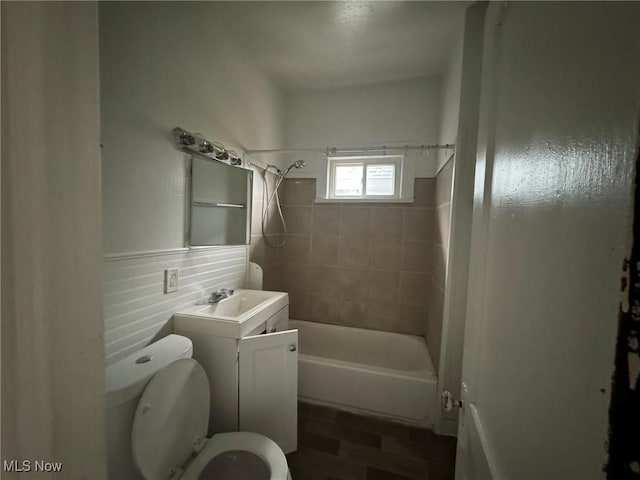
point(317, 44)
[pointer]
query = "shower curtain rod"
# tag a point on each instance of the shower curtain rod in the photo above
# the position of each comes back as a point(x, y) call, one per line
point(337, 150)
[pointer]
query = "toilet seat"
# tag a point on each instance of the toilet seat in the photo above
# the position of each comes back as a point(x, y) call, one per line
point(170, 426)
point(265, 448)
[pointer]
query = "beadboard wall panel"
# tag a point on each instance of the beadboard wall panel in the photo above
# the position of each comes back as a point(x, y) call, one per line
point(135, 305)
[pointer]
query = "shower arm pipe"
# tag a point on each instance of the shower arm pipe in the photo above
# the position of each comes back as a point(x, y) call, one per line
point(339, 150)
point(265, 167)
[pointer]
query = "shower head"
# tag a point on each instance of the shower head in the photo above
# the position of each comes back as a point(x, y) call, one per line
point(296, 164)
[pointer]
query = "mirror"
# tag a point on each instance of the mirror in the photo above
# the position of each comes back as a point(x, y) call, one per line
point(220, 209)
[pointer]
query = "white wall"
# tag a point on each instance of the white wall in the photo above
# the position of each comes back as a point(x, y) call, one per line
point(167, 64)
point(135, 308)
point(465, 134)
point(53, 404)
point(451, 84)
point(405, 112)
point(553, 202)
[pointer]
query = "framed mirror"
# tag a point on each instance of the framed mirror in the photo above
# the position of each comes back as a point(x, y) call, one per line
point(220, 204)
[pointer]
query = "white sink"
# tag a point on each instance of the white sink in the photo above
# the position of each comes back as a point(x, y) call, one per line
point(235, 316)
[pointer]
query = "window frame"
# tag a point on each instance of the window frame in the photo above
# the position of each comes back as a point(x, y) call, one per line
point(396, 160)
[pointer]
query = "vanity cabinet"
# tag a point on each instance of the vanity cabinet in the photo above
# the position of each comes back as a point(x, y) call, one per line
point(253, 379)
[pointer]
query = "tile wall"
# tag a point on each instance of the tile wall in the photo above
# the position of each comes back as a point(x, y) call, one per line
point(442, 223)
point(362, 265)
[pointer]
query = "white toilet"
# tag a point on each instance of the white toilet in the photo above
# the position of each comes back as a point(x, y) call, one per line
point(157, 417)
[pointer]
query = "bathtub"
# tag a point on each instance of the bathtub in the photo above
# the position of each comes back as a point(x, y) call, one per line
point(367, 371)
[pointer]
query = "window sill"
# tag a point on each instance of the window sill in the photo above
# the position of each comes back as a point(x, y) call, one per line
point(363, 200)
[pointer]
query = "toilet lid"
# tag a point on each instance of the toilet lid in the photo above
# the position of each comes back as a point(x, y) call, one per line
point(172, 416)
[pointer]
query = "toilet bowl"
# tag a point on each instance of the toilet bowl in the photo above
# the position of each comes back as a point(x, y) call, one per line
point(167, 430)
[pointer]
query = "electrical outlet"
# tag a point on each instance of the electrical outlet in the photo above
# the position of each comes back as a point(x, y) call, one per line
point(171, 280)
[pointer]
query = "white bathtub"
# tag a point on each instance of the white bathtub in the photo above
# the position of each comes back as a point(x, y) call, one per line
point(382, 373)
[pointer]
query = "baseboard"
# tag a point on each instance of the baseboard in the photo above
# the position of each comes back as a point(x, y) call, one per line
point(447, 426)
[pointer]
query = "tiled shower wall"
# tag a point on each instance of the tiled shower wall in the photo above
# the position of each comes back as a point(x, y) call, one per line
point(362, 265)
point(442, 223)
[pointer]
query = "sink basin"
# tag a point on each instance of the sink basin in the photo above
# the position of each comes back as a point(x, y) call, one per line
point(235, 316)
point(241, 302)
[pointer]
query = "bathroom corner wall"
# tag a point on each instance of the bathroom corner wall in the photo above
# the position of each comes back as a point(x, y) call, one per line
point(437, 280)
point(360, 265)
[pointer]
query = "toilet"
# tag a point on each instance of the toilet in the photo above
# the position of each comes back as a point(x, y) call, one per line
point(157, 418)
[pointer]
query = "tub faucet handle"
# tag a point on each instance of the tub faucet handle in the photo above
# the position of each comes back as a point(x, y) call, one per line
point(219, 295)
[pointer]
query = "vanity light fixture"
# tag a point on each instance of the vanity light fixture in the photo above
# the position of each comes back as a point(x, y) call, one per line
point(198, 146)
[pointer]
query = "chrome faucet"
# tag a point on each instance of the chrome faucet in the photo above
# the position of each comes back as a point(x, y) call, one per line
point(221, 294)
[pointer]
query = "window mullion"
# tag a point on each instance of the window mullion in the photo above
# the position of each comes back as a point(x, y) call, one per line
point(364, 180)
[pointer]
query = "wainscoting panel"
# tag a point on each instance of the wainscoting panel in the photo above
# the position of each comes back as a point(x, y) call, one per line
point(135, 305)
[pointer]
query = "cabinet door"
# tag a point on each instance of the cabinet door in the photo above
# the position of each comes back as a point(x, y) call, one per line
point(268, 386)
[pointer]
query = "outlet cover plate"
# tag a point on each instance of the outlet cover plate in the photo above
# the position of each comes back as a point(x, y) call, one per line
point(171, 276)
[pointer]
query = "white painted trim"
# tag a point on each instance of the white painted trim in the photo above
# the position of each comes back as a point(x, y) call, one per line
point(447, 426)
point(364, 200)
point(490, 464)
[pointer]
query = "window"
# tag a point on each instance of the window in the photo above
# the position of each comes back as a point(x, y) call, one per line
point(364, 177)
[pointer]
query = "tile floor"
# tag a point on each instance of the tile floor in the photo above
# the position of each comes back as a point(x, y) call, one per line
point(336, 445)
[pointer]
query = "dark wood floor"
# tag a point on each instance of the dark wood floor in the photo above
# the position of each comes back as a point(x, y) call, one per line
point(336, 445)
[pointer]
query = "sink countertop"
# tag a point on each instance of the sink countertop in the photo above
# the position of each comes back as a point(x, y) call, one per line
point(260, 305)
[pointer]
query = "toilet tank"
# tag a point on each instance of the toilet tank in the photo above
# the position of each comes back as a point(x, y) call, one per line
point(125, 381)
